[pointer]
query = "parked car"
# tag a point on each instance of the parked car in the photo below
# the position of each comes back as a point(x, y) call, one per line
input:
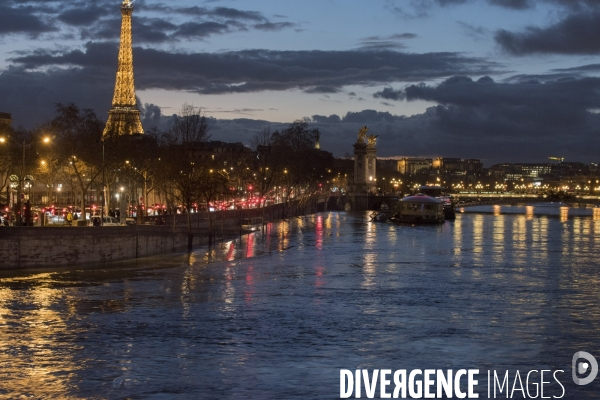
point(130, 221)
point(105, 221)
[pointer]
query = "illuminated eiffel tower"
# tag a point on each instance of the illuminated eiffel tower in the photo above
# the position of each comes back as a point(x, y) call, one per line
point(124, 116)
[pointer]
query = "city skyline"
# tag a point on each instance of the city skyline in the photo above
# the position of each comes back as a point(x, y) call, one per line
point(499, 80)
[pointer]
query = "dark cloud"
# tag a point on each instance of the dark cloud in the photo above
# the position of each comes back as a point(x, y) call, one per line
point(476, 119)
point(82, 15)
point(521, 4)
point(410, 9)
point(101, 19)
point(30, 96)
point(423, 8)
point(322, 89)
point(257, 70)
point(451, 2)
point(514, 4)
point(475, 32)
point(543, 78)
point(406, 35)
point(576, 34)
point(386, 42)
point(22, 20)
point(274, 26)
point(444, 130)
point(390, 94)
point(154, 30)
point(533, 119)
point(581, 68)
point(218, 12)
point(397, 36)
point(144, 30)
point(232, 13)
point(332, 119)
point(151, 116)
point(576, 4)
point(199, 30)
point(526, 119)
point(368, 116)
point(381, 45)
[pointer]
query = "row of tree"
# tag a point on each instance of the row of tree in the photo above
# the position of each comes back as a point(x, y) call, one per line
point(173, 162)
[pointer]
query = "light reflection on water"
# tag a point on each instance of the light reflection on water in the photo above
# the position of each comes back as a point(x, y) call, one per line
point(276, 315)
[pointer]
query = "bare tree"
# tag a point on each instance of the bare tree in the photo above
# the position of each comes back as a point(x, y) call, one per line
point(7, 159)
point(299, 166)
point(183, 158)
point(78, 134)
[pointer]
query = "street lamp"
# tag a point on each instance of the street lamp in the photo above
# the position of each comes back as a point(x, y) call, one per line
point(23, 145)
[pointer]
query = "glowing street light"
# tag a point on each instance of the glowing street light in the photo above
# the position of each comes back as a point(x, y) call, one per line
point(23, 145)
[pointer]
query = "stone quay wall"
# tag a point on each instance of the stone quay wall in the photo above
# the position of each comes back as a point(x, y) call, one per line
point(60, 246)
point(31, 247)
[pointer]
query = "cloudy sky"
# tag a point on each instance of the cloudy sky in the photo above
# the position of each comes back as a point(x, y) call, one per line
point(499, 80)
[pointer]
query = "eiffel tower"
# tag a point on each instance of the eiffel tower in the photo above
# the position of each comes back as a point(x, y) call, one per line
point(124, 116)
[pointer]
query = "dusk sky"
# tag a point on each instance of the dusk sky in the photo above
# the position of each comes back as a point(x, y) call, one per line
point(499, 80)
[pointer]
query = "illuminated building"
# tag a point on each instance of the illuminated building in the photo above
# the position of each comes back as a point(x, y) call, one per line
point(412, 166)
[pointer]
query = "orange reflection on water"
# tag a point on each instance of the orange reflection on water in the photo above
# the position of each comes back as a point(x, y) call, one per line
point(283, 232)
point(539, 229)
point(498, 236)
point(328, 224)
point(369, 269)
point(497, 209)
point(529, 212)
point(519, 239)
point(229, 290)
point(36, 363)
point(596, 213)
point(458, 241)
point(370, 235)
point(564, 214)
point(478, 238)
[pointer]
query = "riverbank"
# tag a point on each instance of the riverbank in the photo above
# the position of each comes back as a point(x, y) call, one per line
point(59, 246)
point(30, 247)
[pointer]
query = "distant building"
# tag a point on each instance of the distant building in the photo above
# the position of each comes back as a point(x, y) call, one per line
point(228, 154)
point(458, 166)
point(414, 165)
point(518, 171)
point(570, 168)
point(536, 170)
point(388, 164)
point(5, 119)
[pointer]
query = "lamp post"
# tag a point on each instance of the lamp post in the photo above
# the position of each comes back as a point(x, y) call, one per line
point(23, 145)
point(102, 208)
point(122, 217)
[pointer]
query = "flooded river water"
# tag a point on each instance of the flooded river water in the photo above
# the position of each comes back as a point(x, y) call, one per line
point(277, 315)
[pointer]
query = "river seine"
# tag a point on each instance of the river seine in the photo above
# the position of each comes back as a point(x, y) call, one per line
point(278, 315)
